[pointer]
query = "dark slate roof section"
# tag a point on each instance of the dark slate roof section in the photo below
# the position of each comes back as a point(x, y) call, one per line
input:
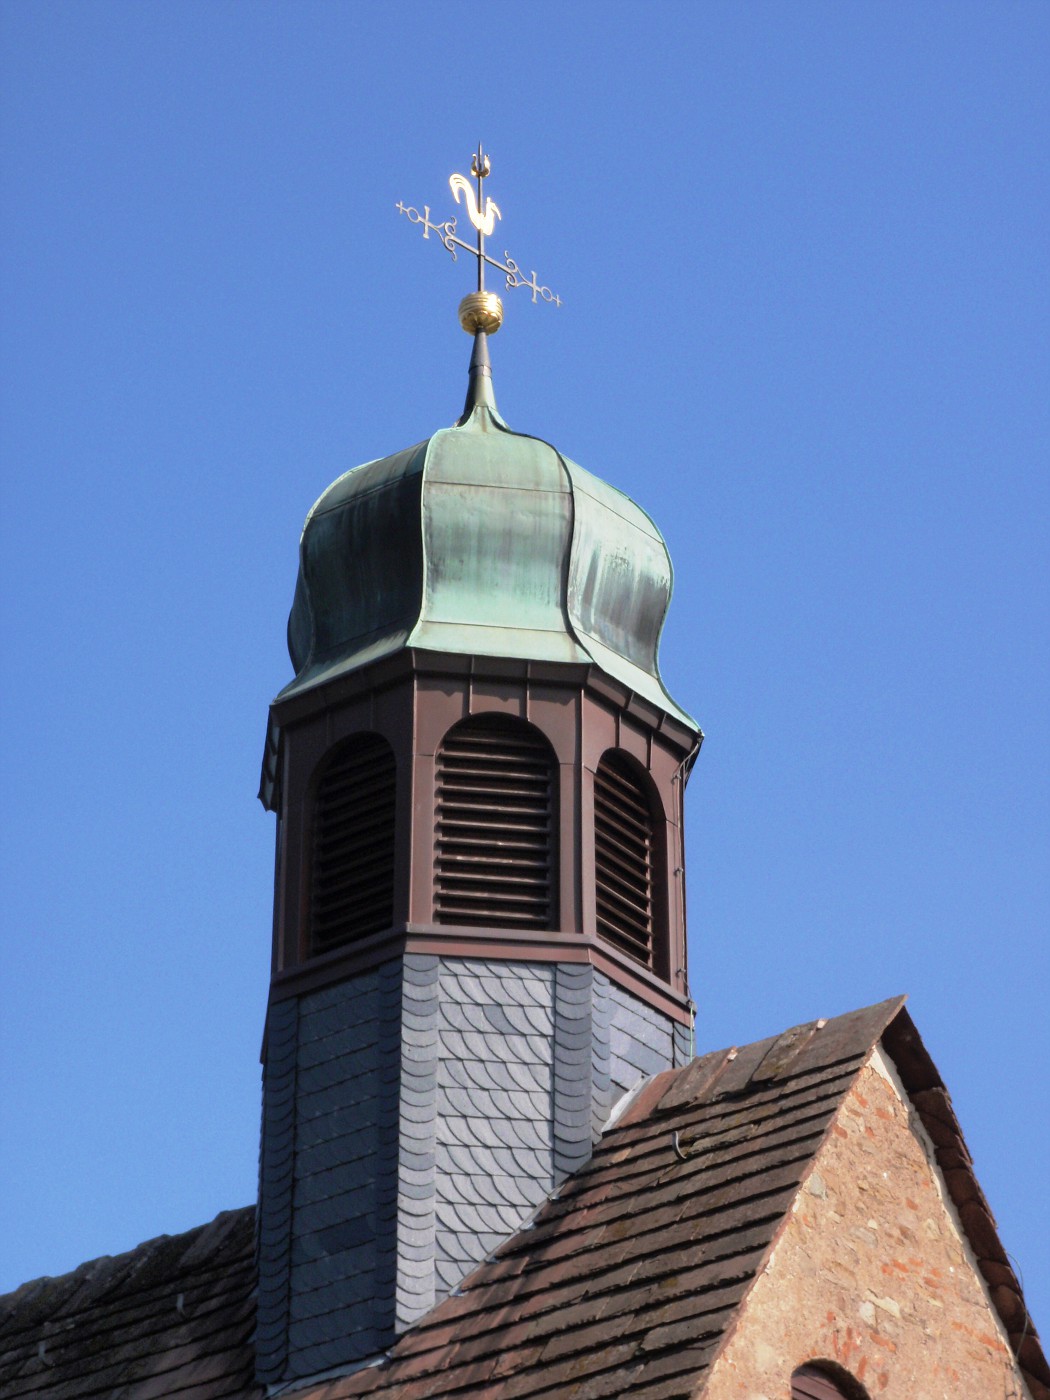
point(172, 1318)
point(626, 1282)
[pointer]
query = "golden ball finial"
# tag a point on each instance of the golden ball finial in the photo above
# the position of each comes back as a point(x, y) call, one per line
point(481, 311)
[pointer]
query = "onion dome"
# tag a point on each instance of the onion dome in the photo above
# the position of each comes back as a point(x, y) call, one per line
point(485, 542)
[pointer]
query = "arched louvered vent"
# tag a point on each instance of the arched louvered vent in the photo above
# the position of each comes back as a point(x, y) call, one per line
point(495, 826)
point(352, 880)
point(825, 1382)
point(623, 859)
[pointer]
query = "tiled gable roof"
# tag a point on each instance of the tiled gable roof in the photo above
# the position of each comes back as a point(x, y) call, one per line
point(627, 1282)
point(173, 1317)
point(628, 1279)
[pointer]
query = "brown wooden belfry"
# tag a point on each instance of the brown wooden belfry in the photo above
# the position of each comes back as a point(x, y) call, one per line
point(520, 793)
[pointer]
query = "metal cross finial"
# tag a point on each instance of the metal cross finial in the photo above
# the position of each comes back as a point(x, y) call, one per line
point(482, 310)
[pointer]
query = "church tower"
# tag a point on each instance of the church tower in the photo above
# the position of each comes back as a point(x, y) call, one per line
point(479, 938)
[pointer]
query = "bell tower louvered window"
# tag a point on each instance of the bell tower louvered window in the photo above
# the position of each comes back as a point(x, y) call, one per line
point(352, 876)
point(624, 843)
point(495, 826)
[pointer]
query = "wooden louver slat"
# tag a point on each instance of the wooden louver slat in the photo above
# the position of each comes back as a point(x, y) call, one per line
point(352, 877)
point(494, 828)
point(808, 1383)
point(623, 859)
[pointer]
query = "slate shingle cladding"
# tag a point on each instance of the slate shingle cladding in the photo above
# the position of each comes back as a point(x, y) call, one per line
point(494, 1131)
point(328, 1175)
point(414, 1117)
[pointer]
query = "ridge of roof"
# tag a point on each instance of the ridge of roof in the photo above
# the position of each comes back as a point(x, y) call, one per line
point(799, 1050)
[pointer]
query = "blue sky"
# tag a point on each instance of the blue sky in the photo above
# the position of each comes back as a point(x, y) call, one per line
point(803, 256)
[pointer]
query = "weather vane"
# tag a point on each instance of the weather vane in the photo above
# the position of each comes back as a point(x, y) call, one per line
point(481, 310)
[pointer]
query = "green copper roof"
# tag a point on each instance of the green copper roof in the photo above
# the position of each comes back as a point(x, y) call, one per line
point(485, 542)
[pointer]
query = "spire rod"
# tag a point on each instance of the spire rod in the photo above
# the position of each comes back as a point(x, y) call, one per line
point(480, 393)
point(480, 166)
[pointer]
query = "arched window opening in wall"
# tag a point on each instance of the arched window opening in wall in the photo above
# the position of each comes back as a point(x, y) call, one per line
point(352, 870)
point(495, 826)
point(628, 896)
point(825, 1380)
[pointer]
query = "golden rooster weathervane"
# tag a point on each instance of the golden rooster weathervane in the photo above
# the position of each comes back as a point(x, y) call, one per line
point(481, 310)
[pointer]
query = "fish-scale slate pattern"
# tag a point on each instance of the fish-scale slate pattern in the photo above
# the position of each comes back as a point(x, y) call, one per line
point(582, 1089)
point(417, 1140)
point(172, 1318)
point(626, 1282)
point(532, 1058)
point(494, 1087)
point(329, 1197)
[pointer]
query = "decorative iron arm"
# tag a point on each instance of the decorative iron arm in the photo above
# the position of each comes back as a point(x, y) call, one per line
point(446, 232)
point(483, 216)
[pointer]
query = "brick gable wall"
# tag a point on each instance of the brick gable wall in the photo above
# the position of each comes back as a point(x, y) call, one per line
point(870, 1270)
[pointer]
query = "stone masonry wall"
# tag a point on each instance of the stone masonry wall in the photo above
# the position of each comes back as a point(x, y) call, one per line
point(871, 1272)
